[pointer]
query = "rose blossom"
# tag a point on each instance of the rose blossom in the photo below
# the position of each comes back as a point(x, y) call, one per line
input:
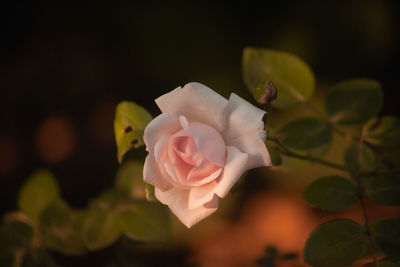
point(199, 147)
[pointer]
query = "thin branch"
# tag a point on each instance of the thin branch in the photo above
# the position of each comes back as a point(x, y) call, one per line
point(367, 226)
point(285, 151)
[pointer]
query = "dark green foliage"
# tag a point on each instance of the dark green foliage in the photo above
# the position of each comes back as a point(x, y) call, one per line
point(331, 193)
point(305, 134)
point(335, 243)
point(387, 235)
point(354, 101)
point(383, 188)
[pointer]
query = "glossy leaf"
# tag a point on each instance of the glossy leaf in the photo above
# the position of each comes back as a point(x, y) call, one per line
point(100, 229)
point(130, 179)
point(305, 134)
point(354, 101)
point(383, 131)
point(145, 221)
point(331, 193)
point(38, 191)
point(291, 76)
point(335, 243)
point(129, 124)
point(384, 188)
point(360, 159)
point(387, 235)
point(62, 228)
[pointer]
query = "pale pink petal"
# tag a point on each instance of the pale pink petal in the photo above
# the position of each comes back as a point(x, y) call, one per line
point(235, 166)
point(209, 142)
point(245, 131)
point(152, 175)
point(204, 173)
point(196, 102)
point(164, 124)
point(255, 147)
point(201, 194)
point(178, 200)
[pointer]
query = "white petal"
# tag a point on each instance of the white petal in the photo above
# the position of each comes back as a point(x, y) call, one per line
point(178, 200)
point(196, 102)
point(200, 195)
point(245, 131)
point(254, 146)
point(152, 175)
point(164, 124)
point(235, 166)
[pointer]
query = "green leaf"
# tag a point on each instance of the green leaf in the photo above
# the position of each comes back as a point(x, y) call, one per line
point(382, 263)
point(100, 229)
point(111, 199)
point(305, 134)
point(273, 153)
point(129, 124)
point(36, 257)
point(38, 191)
point(145, 221)
point(15, 234)
point(331, 193)
point(383, 131)
point(354, 101)
point(335, 243)
point(291, 76)
point(62, 228)
point(387, 235)
point(384, 188)
point(360, 159)
point(130, 179)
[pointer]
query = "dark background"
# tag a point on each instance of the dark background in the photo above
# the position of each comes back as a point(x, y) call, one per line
point(62, 70)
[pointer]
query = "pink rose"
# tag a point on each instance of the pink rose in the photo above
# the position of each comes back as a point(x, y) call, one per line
point(199, 147)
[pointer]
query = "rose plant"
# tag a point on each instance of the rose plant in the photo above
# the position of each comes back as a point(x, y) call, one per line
point(199, 147)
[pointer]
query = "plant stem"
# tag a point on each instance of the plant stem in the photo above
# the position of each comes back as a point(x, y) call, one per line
point(285, 151)
point(367, 226)
point(386, 162)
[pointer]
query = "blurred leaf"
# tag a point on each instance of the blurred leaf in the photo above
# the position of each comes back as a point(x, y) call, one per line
point(36, 257)
point(382, 263)
point(15, 234)
point(273, 153)
point(149, 190)
point(354, 101)
point(145, 221)
point(360, 159)
point(387, 235)
point(291, 76)
point(110, 200)
point(130, 179)
point(6, 259)
point(384, 188)
point(383, 131)
point(129, 124)
point(335, 243)
point(38, 191)
point(306, 133)
point(100, 229)
point(62, 228)
point(331, 193)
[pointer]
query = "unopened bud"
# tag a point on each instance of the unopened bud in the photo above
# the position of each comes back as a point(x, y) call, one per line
point(270, 93)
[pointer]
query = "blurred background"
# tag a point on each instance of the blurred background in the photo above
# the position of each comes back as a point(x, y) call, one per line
point(63, 70)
